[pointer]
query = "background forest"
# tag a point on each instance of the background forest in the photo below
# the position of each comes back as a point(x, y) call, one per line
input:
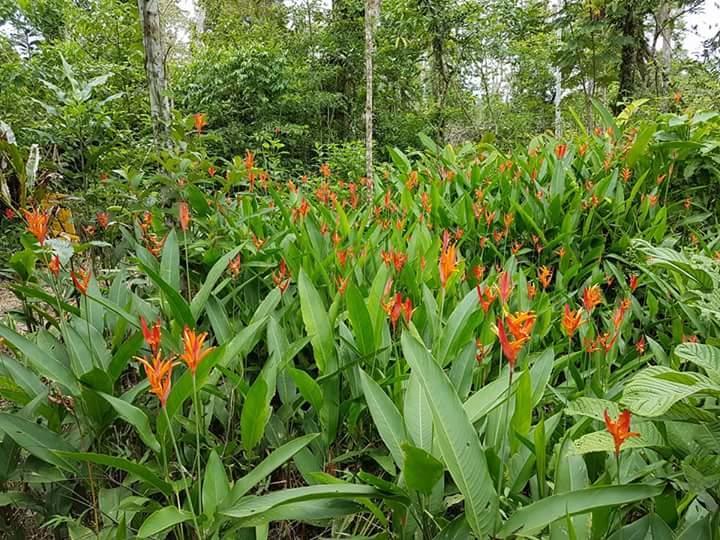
point(408, 270)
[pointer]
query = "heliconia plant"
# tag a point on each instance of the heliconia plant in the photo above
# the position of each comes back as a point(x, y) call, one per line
point(456, 349)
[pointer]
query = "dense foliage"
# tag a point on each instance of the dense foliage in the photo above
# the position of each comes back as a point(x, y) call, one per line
point(225, 329)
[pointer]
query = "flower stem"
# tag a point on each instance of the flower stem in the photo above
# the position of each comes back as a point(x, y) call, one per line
point(198, 422)
point(182, 471)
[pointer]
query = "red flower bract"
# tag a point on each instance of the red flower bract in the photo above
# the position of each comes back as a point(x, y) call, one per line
point(619, 429)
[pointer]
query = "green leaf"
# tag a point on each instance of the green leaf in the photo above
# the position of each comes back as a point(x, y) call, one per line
point(218, 269)
point(640, 145)
point(136, 418)
point(309, 389)
point(143, 472)
point(650, 527)
point(418, 415)
point(654, 390)
point(456, 437)
point(253, 506)
point(216, 486)
point(317, 324)
point(44, 363)
point(535, 517)
point(420, 469)
point(255, 414)
point(267, 466)
point(704, 356)
point(360, 319)
point(459, 328)
point(36, 439)
point(386, 416)
point(602, 441)
point(161, 520)
point(170, 261)
point(180, 309)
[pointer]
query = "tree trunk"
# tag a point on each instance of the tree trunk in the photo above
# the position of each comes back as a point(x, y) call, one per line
point(155, 69)
point(558, 82)
point(628, 57)
point(371, 12)
point(665, 28)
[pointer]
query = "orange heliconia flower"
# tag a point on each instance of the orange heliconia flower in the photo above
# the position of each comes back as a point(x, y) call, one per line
point(448, 259)
point(505, 286)
point(234, 266)
point(633, 282)
point(159, 374)
point(571, 321)
point(560, 150)
point(531, 291)
point(152, 335)
point(640, 345)
point(510, 349)
point(591, 297)
point(37, 224)
point(194, 352)
point(199, 121)
point(398, 307)
point(54, 265)
point(103, 219)
point(619, 429)
point(486, 297)
point(184, 215)
point(520, 324)
point(545, 276)
point(81, 280)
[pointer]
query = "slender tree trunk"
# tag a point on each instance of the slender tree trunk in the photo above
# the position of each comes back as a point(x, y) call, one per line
point(628, 57)
point(663, 15)
point(155, 69)
point(371, 12)
point(558, 82)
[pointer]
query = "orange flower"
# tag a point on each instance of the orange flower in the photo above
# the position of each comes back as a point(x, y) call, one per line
point(159, 374)
point(342, 284)
point(486, 296)
point(234, 266)
point(396, 308)
point(505, 286)
point(510, 349)
point(194, 353)
point(103, 219)
point(184, 215)
point(152, 335)
point(81, 279)
point(479, 271)
point(619, 429)
point(211, 171)
point(448, 260)
point(640, 345)
point(591, 297)
point(571, 321)
point(199, 120)
point(521, 324)
point(325, 170)
point(545, 276)
point(633, 282)
point(54, 265)
point(560, 151)
point(37, 224)
point(531, 291)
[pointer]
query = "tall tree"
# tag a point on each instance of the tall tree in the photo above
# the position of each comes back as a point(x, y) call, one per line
point(372, 8)
point(155, 68)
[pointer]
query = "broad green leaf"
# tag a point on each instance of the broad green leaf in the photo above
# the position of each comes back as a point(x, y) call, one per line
point(136, 418)
point(216, 486)
point(317, 324)
point(418, 415)
point(421, 470)
point(704, 356)
point(459, 328)
point(654, 390)
point(360, 319)
point(44, 363)
point(602, 441)
point(592, 408)
point(142, 472)
point(179, 307)
point(306, 511)
point(253, 506)
point(386, 417)
point(170, 261)
point(267, 466)
point(535, 517)
point(650, 527)
point(161, 520)
point(218, 269)
point(307, 386)
point(255, 414)
point(36, 439)
point(456, 437)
